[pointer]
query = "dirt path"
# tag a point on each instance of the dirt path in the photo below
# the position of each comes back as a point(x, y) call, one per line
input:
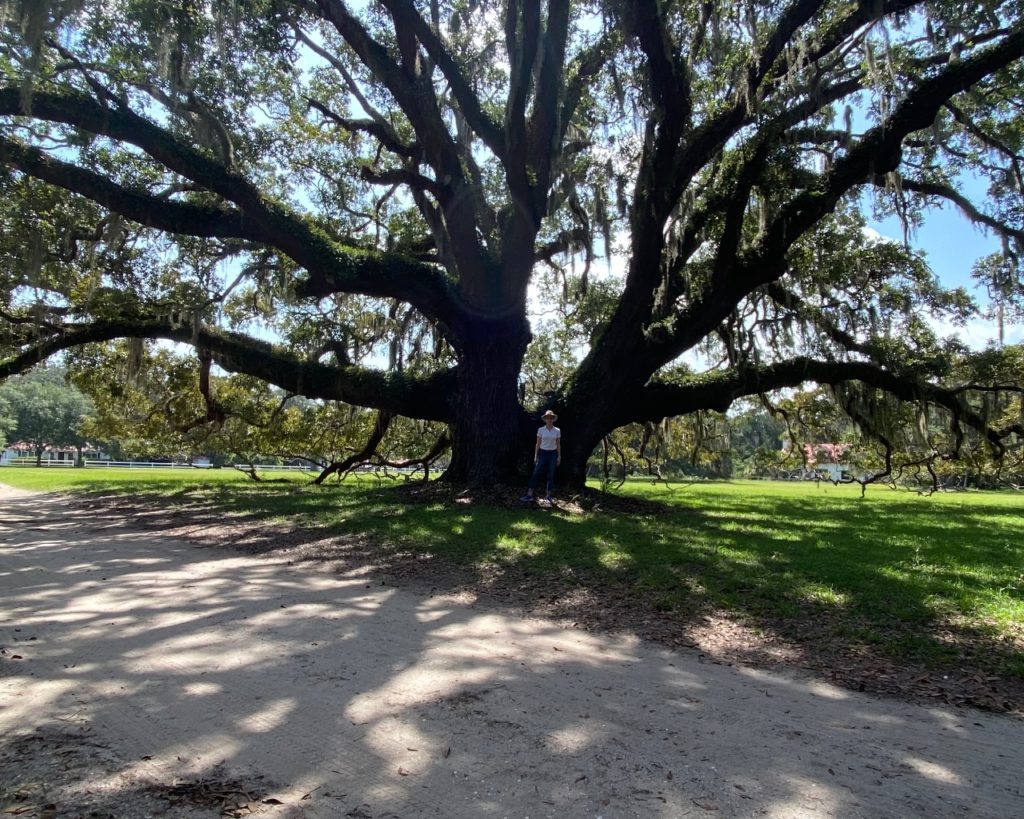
point(143, 676)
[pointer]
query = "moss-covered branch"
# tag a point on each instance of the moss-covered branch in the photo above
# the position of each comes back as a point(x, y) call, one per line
point(718, 391)
point(138, 206)
point(424, 398)
point(332, 267)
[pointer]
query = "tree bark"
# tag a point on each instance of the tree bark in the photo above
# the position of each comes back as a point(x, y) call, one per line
point(490, 427)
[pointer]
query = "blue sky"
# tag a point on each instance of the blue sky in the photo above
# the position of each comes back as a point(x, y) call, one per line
point(952, 244)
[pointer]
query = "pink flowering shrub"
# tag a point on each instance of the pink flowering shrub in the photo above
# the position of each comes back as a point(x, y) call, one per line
point(825, 453)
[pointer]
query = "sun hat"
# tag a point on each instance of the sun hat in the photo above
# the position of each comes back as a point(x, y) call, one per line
point(550, 414)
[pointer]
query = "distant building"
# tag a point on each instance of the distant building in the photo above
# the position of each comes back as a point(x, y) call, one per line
point(22, 451)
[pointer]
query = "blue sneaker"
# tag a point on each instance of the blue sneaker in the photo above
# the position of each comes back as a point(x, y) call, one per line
point(526, 498)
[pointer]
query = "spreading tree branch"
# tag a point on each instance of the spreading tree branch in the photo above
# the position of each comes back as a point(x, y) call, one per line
point(965, 205)
point(877, 153)
point(331, 267)
point(144, 208)
point(718, 392)
point(417, 99)
point(426, 398)
point(405, 15)
point(367, 451)
point(384, 134)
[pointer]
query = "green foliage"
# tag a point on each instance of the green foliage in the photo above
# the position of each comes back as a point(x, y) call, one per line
point(46, 410)
point(756, 440)
point(698, 444)
point(7, 420)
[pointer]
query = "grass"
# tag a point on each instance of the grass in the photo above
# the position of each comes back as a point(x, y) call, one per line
point(894, 570)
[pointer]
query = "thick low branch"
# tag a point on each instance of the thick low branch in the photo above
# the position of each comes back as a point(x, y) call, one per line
point(123, 125)
point(380, 429)
point(718, 392)
point(424, 398)
point(440, 446)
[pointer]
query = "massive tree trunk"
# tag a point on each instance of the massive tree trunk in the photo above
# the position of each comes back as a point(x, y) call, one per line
point(489, 425)
point(599, 397)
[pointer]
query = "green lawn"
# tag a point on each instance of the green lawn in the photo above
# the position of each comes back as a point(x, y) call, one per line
point(894, 569)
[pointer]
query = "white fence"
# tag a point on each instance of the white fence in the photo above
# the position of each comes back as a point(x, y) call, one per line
point(103, 464)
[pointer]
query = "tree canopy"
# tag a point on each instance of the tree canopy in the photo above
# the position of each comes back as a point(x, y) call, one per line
point(7, 420)
point(379, 203)
point(44, 410)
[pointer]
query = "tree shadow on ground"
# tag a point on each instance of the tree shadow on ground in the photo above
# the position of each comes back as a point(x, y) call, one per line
point(729, 580)
point(366, 701)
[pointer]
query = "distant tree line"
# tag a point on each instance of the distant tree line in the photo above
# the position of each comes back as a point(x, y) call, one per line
point(41, 409)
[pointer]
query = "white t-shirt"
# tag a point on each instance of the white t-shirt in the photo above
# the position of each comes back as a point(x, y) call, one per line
point(549, 438)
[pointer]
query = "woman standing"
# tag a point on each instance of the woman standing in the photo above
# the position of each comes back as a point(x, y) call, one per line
point(547, 454)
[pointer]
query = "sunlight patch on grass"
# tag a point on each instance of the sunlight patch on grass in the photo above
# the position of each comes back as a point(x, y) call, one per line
point(825, 595)
point(511, 545)
point(615, 559)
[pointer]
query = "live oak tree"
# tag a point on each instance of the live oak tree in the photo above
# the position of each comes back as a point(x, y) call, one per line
point(45, 411)
point(386, 190)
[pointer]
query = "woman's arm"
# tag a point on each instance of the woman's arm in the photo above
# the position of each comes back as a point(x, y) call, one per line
point(536, 449)
point(558, 449)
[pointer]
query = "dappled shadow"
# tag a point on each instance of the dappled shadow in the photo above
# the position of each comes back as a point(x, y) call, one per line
point(364, 700)
point(716, 578)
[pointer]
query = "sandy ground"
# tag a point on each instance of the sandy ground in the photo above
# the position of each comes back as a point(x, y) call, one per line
point(144, 676)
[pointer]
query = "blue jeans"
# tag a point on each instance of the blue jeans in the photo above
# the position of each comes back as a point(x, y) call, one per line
point(547, 459)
